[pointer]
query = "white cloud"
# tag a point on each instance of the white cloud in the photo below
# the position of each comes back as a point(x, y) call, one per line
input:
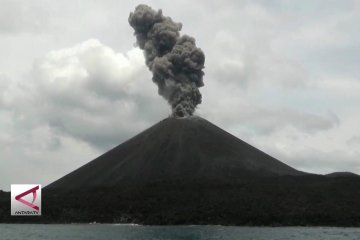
point(75, 104)
point(89, 92)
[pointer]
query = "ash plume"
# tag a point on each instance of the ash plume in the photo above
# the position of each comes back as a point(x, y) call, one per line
point(174, 60)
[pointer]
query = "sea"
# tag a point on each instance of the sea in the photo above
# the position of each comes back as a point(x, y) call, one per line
point(138, 232)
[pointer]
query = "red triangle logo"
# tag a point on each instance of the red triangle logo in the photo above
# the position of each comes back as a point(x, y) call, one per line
point(30, 204)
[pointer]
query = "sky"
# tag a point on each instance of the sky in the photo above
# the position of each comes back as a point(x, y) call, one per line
point(282, 75)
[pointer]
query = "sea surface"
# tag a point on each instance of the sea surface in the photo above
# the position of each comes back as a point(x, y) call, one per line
point(130, 232)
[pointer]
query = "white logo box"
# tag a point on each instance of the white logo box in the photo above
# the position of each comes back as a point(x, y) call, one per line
point(25, 199)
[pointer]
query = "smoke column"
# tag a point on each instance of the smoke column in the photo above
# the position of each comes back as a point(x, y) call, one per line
point(174, 60)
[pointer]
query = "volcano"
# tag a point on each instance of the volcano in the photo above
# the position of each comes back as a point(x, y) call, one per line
point(189, 171)
point(176, 149)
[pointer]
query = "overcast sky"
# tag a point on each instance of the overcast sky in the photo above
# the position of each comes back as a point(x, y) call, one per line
point(281, 75)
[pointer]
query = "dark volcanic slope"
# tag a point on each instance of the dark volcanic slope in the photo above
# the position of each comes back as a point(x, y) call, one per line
point(189, 148)
point(342, 174)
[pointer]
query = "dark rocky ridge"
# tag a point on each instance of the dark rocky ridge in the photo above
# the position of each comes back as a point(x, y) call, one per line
point(188, 171)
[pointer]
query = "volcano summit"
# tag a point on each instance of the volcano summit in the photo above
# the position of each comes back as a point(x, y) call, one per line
point(176, 149)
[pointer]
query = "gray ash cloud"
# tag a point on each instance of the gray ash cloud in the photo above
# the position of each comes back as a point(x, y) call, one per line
point(174, 59)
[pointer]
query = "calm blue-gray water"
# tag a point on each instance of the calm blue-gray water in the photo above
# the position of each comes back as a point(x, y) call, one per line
point(130, 232)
